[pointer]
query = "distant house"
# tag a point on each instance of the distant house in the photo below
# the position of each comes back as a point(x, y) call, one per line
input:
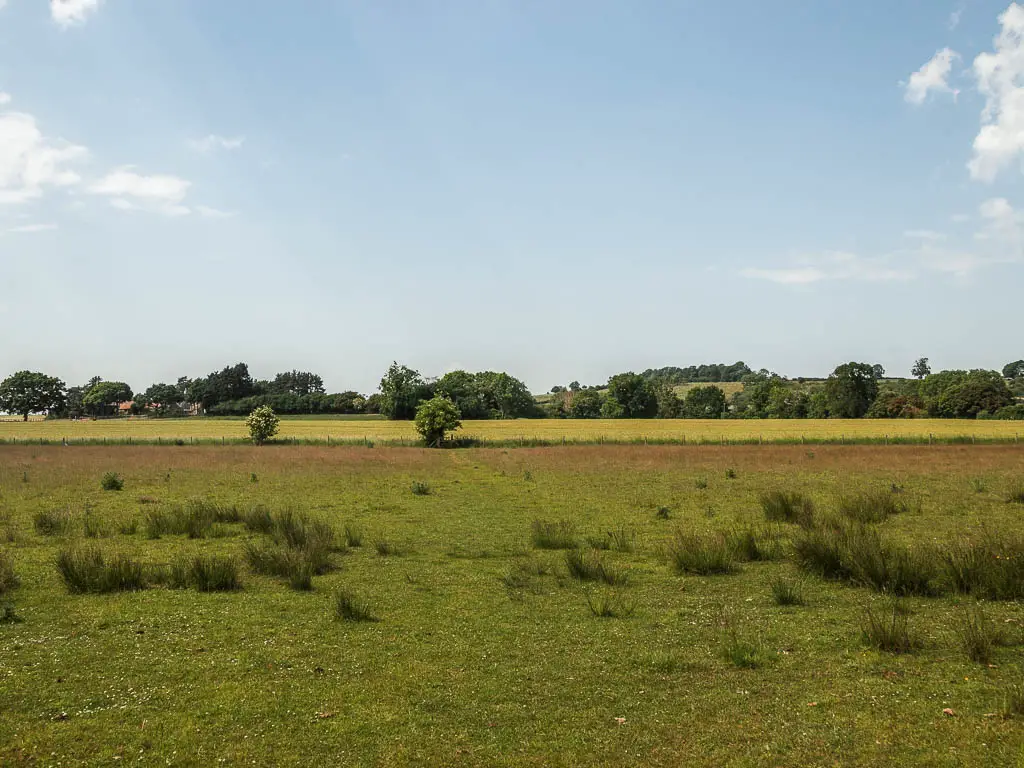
point(123, 409)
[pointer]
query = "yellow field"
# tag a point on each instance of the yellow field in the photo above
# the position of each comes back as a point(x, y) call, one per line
point(529, 429)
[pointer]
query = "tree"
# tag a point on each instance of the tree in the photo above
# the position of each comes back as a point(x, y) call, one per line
point(463, 389)
point(921, 368)
point(633, 396)
point(103, 397)
point(574, 386)
point(28, 392)
point(851, 389)
point(504, 396)
point(296, 383)
point(586, 404)
point(435, 418)
point(402, 389)
point(705, 403)
point(164, 398)
point(1013, 370)
point(977, 392)
point(263, 424)
point(670, 405)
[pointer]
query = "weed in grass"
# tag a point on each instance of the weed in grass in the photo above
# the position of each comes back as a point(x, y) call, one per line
point(353, 536)
point(420, 489)
point(871, 507)
point(978, 637)
point(8, 615)
point(387, 548)
point(214, 573)
point(88, 570)
point(701, 483)
point(348, 607)
point(548, 535)
point(785, 592)
point(8, 578)
point(663, 513)
point(112, 481)
point(991, 568)
point(788, 507)
point(889, 630)
point(610, 605)
point(589, 566)
point(701, 554)
point(730, 474)
point(52, 522)
point(978, 485)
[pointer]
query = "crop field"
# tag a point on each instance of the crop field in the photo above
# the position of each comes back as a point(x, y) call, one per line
point(512, 431)
point(587, 605)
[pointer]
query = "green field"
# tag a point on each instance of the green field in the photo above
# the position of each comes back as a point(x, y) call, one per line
point(487, 650)
point(549, 430)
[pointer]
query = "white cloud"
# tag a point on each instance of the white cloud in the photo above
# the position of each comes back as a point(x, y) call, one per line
point(5, 98)
point(68, 12)
point(30, 228)
point(129, 191)
point(831, 265)
point(933, 76)
point(794, 276)
point(212, 213)
point(954, 18)
point(30, 162)
point(1000, 77)
point(924, 234)
point(212, 142)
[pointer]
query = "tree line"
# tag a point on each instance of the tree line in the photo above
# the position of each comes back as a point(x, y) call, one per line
point(853, 390)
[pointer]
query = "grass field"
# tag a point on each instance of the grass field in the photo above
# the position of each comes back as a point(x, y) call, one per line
point(488, 650)
point(545, 430)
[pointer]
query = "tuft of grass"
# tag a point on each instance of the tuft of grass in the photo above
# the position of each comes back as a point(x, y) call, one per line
point(93, 527)
point(754, 545)
point(214, 573)
point(978, 485)
point(819, 550)
point(788, 507)
point(1016, 495)
point(703, 555)
point(730, 474)
point(387, 548)
point(1013, 701)
point(8, 615)
point(420, 489)
point(663, 513)
point(889, 630)
point(353, 536)
point(991, 568)
point(548, 535)
point(87, 570)
point(259, 519)
point(348, 607)
point(737, 649)
point(871, 506)
point(589, 566)
point(129, 527)
point(52, 522)
point(786, 592)
point(609, 605)
point(9, 580)
point(701, 483)
point(978, 637)
point(622, 539)
point(275, 560)
point(112, 481)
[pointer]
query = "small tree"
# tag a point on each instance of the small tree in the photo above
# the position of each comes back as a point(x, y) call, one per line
point(435, 418)
point(921, 368)
point(263, 424)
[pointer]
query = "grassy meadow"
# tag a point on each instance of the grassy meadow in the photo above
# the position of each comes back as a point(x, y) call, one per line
point(342, 430)
point(587, 605)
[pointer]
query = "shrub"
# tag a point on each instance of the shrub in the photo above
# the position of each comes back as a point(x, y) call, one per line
point(112, 481)
point(435, 418)
point(978, 637)
point(420, 489)
point(353, 536)
point(889, 631)
point(608, 605)
point(588, 566)
point(702, 555)
point(263, 424)
point(87, 570)
point(214, 573)
point(787, 592)
point(548, 535)
point(990, 568)
point(787, 507)
point(52, 522)
point(871, 507)
point(8, 578)
point(348, 607)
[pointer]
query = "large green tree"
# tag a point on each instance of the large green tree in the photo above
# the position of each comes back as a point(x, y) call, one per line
point(585, 404)
point(103, 397)
point(27, 392)
point(705, 403)
point(1014, 370)
point(631, 396)
point(165, 399)
point(851, 389)
point(401, 391)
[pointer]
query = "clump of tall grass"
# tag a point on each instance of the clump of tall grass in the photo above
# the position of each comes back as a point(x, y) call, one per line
point(1013, 700)
point(129, 527)
point(819, 550)
point(52, 522)
point(701, 483)
point(522, 573)
point(990, 568)
point(787, 593)
point(1016, 495)
point(753, 545)
point(549, 535)
point(275, 560)
point(387, 548)
point(420, 488)
point(701, 554)
point(622, 539)
point(93, 527)
point(978, 485)
point(871, 506)
point(889, 630)
point(585, 565)
point(737, 649)
point(663, 513)
point(978, 637)
point(86, 569)
point(214, 573)
point(349, 607)
point(112, 481)
point(353, 536)
point(8, 578)
point(609, 605)
point(787, 507)
point(730, 474)
point(8, 614)
point(259, 519)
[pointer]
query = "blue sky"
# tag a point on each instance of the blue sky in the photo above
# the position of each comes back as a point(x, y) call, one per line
point(561, 190)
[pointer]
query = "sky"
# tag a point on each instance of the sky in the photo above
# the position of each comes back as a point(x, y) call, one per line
point(558, 190)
